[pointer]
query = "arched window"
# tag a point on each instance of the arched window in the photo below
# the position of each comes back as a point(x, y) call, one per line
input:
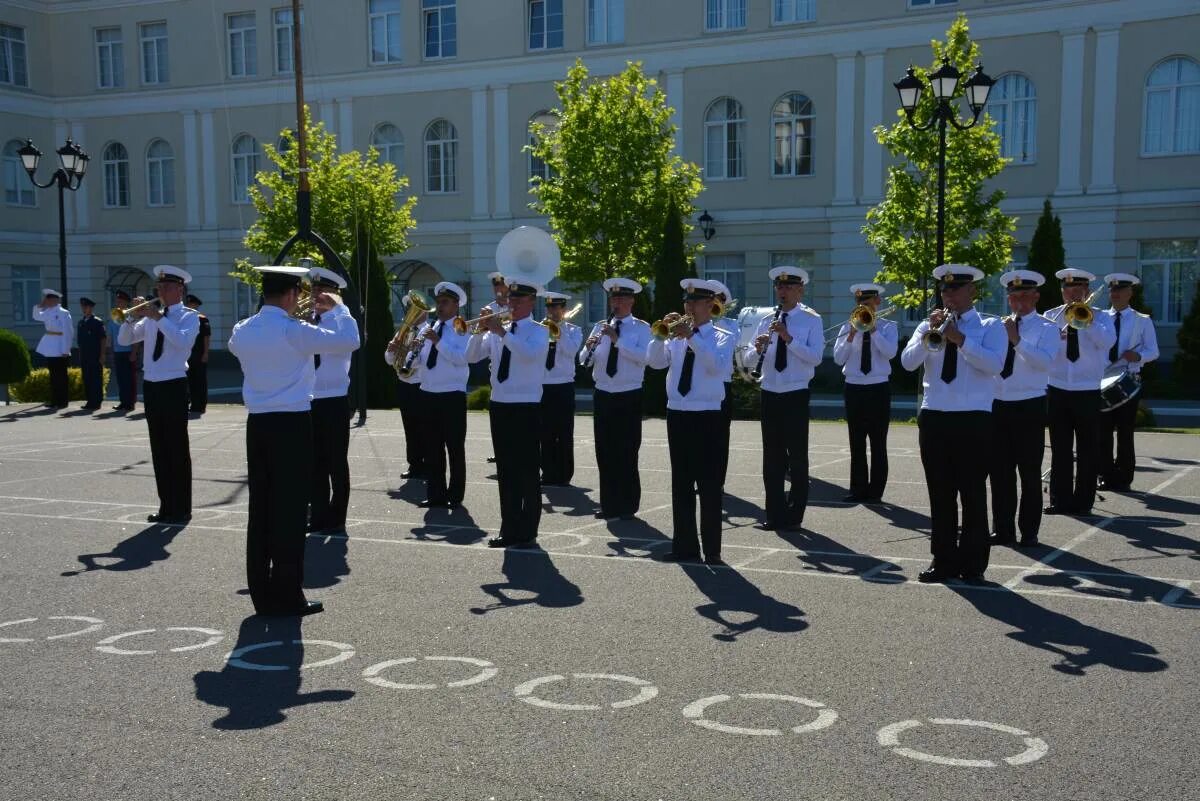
point(18, 189)
point(792, 126)
point(724, 138)
point(116, 176)
point(1013, 105)
point(388, 140)
point(160, 174)
point(441, 157)
point(1172, 119)
point(244, 167)
point(548, 122)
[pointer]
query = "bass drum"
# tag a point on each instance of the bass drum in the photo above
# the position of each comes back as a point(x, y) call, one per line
point(748, 320)
point(1118, 387)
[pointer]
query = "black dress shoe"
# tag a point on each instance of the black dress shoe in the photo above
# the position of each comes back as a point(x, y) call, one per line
point(1058, 510)
point(852, 498)
point(715, 561)
point(974, 578)
point(1029, 542)
point(873, 499)
point(431, 504)
point(766, 525)
point(1002, 539)
point(934, 574)
point(491, 460)
point(410, 473)
point(671, 556)
point(498, 542)
point(306, 608)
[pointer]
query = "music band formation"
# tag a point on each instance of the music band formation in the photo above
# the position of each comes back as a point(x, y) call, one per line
point(996, 383)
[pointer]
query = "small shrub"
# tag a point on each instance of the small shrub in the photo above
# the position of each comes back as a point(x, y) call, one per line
point(14, 358)
point(36, 386)
point(1144, 417)
point(747, 400)
point(479, 397)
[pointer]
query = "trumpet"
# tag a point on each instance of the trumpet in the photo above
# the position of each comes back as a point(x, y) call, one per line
point(473, 325)
point(661, 329)
point(1078, 314)
point(934, 340)
point(121, 315)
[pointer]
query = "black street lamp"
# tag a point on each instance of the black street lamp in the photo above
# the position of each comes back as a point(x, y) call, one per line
point(73, 164)
point(706, 225)
point(943, 82)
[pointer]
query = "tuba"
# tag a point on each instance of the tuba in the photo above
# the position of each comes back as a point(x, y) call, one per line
point(526, 253)
point(408, 335)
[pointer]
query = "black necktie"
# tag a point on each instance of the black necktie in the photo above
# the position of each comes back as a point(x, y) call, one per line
point(781, 348)
point(950, 363)
point(864, 361)
point(550, 355)
point(158, 341)
point(317, 356)
point(685, 373)
point(1011, 356)
point(1112, 352)
point(1072, 345)
point(505, 357)
point(431, 359)
point(611, 366)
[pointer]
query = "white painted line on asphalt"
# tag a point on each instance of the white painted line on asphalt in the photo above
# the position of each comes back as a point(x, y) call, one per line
point(215, 636)
point(234, 658)
point(889, 737)
point(106, 645)
point(524, 692)
point(95, 625)
point(695, 713)
point(17, 623)
point(487, 671)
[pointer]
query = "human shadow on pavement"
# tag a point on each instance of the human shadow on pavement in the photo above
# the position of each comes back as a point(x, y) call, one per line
point(1166, 504)
point(571, 501)
point(1102, 580)
point(535, 579)
point(1078, 645)
point(412, 490)
point(451, 526)
point(634, 538)
point(134, 553)
point(258, 698)
point(1149, 534)
point(325, 560)
point(740, 607)
point(830, 556)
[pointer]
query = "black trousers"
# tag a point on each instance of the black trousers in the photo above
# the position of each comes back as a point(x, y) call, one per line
point(197, 378)
point(411, 409)
point(868, 415)
point(167, 420)
point(1074, 420)
point(558, 433)
point(279, 463)
point(330, 495)
point(57, 365)
point(93, 379)
point(444, 422)
point(1018, 445)
point(1119, 421)
point(514, 426)
point(694, 466)
point(785, 449)
point(727, 416)
point(617, 429)
point(956, 474)
point(123, 368)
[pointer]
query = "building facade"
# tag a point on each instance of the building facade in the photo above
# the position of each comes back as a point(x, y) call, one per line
point(1098, 106)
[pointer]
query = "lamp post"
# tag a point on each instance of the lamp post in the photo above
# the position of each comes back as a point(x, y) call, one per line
point(944, 83)
point(706, 225)
point(73, 164)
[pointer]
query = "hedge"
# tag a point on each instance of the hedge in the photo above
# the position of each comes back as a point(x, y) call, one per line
point(36, 387)
point(14, 358)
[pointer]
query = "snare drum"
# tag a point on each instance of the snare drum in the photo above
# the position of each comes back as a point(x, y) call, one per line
point(1118, 387)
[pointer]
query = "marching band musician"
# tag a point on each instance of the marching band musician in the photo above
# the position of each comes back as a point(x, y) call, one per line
point(616, 353)
point(55, 344)
point(277, 353)
point(1136, 345)
point(443, 400)
point(1019, 412)
point(197, 373)
point(955, 409)
point(330, 409)
point(498, 305)
point(696, 354)
point(124, 359)
point(409, 397)
point(168, 330)
point(725, 298)
point(558, 395)
point(866, 360)
point(1074, 399)
point(517, 351)
point(790, 346)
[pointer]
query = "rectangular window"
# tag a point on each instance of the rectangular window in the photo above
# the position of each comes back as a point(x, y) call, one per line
point(729, 269)
point(110, 59)
point(992, 298)
point(282, 21)
point(606, 21)
point(245, 300)
point(1169, 271)
point(18, 189)
point(545, 24)
point(26, 292)
point(784, 11)
point(930, 3)
point(441, 28)
point(384, 19)
point(794, 258)
point(13, 68)
point(243, 45)
point(725, 15)
point(153, 36)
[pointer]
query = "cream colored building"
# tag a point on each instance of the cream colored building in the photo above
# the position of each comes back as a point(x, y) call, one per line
point(776, 99)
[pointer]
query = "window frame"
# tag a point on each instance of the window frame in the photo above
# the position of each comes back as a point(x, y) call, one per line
point(26, 292)
point(724, 14)
point(738, 288)
point(253, 158)
point(546, 30)
point(385, 17)
point(1174, 107)
point(925, 5)
point(8, 44)
point(547, 119)
point(1010, 102)
point(607, 12)
point(442, 144)
point(11, 164)
point(276, 27)
point(163, 184)
point(740, 127)
point(249, 65)
point(385, 148)
point(812, 13)
point(1161, 306)
point(115, 54)
point(121, 177)
point(438, 8)
point(792, 119)
point(161, 76)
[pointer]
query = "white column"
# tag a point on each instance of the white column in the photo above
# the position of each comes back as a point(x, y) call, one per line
point(191, 169)
point(202, 260)
point(502, 154)
point(208, 168)
point(843, 153)
point(872, 151)
point(345, 107)
point(80, 197)
point(1070, 122)
point(479, 143)
point(675, 101)
point(325, 115)
point(1104, 112)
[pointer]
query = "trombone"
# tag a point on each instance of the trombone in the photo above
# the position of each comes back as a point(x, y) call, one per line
point(121, 315)
point(863, 319)
point(553, 326)
point(1078, 314)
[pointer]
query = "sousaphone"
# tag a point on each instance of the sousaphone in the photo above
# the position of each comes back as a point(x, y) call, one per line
point(529, 254)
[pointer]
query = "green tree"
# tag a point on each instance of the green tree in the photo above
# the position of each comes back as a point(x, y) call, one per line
point(902, 228)
point(1186, 367)
point(1047, 256)
point(612, 175)
point(672, 265)
point(378, 326)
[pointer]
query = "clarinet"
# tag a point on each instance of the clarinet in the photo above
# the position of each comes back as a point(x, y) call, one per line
point(591, 354)
point(414, 350)
point(756, 373)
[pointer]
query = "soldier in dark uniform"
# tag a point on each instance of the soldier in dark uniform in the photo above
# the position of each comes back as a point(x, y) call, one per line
point(93, 339)
point(124, 360)
point(197, 374)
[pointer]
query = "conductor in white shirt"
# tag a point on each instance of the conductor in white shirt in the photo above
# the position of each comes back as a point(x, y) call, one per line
point(55, 344)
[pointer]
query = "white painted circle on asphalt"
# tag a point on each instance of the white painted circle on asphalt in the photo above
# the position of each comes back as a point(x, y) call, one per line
point(234, 658)
point(17, 623)
point(889, 737)
point(695, 713)
point(215, 636)
point(95, 625)
point(107, 644)
point(524, 692)
point(487, 671)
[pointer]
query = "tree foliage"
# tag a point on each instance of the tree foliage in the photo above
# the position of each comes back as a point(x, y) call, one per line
point(671, 266)
point(379, 326)
point(903, 227)
point(612, 175)
point(1047, 256)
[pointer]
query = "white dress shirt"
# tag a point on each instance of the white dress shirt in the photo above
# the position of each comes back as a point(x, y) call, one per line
point(1033, 354)
point(804, 352)
point(729, 328)
point(631, 344)
point(1137, 335)
point(713, 350)
point(980, 358)
point(570, 338)
point(60, 331)
point(885, 341)
point(526, 364)
point(333, 376)
point(1094, 341)
point(179, 326)
point(450, 372)
point(276, 351)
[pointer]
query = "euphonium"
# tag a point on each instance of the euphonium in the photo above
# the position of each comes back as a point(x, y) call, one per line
point(418, 305)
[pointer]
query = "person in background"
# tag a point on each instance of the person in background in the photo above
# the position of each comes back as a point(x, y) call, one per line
point(558, 395)
point(124, 362)
point(93, 339)
point(197, 374)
